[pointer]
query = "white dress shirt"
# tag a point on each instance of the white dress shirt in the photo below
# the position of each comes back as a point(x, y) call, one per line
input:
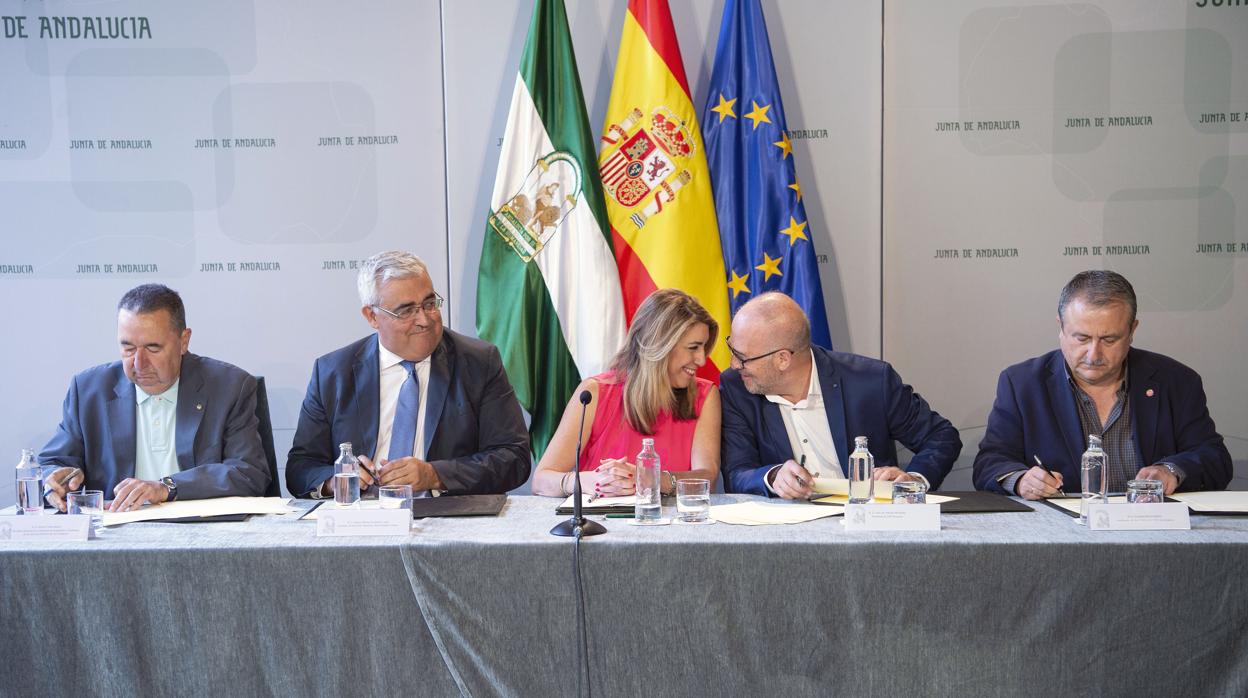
point(392, 376)
point(806, 422)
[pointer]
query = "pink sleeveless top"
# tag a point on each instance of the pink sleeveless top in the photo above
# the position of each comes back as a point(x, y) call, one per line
point(613, 437)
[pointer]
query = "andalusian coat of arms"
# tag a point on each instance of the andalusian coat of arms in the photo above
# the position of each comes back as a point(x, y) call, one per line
point(646, 165)
point(532, 215)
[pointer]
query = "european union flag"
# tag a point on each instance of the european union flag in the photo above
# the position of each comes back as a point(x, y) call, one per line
point(762, 222)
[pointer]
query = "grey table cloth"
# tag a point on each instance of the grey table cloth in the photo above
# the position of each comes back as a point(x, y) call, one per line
point(994, 604)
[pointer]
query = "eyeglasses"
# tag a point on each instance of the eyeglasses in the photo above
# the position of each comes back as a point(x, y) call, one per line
point(407, 311)
point(743, 360)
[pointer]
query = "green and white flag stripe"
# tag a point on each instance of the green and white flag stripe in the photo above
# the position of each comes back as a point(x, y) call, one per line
point(548, 292)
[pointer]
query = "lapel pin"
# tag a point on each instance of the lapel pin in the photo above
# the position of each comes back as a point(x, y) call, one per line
point(1149, 392)
point(200, 406)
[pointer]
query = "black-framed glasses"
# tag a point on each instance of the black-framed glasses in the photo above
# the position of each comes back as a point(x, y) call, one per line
point(743, 359)
point(407, 311)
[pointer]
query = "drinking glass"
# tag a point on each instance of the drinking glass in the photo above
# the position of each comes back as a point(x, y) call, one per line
point(90, 503)
point(693, 500)
point(909, 492)
point(395, 497)
point(1145, 492)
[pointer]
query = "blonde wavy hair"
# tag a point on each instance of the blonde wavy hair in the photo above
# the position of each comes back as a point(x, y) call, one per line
point(660, 322)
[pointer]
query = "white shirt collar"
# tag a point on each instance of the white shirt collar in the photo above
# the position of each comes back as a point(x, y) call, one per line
point(171, 394)
point(814, 394)
point(389, 358)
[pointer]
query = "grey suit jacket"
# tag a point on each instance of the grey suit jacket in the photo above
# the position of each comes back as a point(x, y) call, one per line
point(217, 439)
point(475, 436)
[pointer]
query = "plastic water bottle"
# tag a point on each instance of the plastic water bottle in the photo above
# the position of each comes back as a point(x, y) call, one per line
point(861, 473)
point(1093, 477)
point(346, 477)
point(29, 484)
point(649, 506)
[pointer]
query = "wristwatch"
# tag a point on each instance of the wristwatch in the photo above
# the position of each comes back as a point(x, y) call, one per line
point(1178, 474)
point(171, 486)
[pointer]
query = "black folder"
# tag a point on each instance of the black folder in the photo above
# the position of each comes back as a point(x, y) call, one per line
point(462, 505)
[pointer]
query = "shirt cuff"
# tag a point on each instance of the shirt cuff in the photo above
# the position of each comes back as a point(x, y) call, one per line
point(316, 491)
point(1009, 481)
point(767, 477)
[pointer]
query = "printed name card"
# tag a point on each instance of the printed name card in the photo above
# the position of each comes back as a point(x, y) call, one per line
point(1139, 517)
point(892, 517)
point(331, 521)
point(44, 528)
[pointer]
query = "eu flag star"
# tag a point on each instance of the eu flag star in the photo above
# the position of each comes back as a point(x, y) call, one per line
point(724, 108)
point(795, 230)
point(797, 187)
point(738, 284)
point(759, 114)
point(784, 145)
point(770, 267)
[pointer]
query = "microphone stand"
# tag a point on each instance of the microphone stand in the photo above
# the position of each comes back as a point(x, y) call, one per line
point(578, 526)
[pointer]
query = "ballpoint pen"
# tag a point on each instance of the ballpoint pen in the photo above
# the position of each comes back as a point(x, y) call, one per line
point(1046, 469)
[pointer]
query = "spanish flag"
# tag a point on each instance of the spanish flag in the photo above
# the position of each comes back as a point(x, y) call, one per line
point(654, 175)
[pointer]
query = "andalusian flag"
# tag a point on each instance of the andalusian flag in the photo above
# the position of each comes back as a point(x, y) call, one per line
point(654, 172)
point(548, 292)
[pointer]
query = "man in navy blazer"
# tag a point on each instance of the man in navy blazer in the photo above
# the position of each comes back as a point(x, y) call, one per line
point(421, 405)
point(188, 431)
point(1149, 410)
point(790, 409)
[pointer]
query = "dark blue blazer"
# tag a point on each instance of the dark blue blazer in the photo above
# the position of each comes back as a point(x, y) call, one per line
point(1035, 415)
point(862, 397)
point(475, 436)
point(217, 434)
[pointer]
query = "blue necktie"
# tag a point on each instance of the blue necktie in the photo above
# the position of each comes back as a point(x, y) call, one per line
point(403, 431)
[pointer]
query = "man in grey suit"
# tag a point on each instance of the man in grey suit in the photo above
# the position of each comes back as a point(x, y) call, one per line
point(160, 424)
point(422, 405)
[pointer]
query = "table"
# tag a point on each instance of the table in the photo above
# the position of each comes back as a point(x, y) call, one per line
point(994, 604)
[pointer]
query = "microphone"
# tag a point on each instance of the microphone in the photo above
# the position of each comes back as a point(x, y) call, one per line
point(577, 525)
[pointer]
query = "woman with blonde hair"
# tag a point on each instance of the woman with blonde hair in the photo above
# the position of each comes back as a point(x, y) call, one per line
point(651, 391)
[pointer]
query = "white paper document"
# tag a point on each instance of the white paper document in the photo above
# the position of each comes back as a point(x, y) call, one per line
point(1214, 501)
point(769, 513)
point(588, 504)
point(194, 508)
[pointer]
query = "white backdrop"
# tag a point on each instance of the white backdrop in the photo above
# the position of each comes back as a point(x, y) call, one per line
point(420, 88)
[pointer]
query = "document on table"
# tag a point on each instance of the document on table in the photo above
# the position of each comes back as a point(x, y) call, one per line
point(198, 508)
point(590, 505)
point(1214, 501)
point(769, 513)
point(1071, 504)
point(844, 498)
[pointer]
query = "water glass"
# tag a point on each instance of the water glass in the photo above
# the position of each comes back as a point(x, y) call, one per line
point(90, 503)
point(1145, 492)
point(693, 500)
point(909, 492)
point(395, 497)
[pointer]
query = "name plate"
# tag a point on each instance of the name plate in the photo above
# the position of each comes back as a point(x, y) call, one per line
point(362, 522)
point(1139, 517)
point(892, 517)
point(44, 528)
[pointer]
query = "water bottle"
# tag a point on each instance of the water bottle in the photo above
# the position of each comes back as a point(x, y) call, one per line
point(29, 484)
point(861, 473)
point(1093, 477)
point(346, 477)
point(649, 506)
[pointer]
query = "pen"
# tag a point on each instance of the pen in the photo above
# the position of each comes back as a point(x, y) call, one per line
point(619, 516)
point(1046, 469)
